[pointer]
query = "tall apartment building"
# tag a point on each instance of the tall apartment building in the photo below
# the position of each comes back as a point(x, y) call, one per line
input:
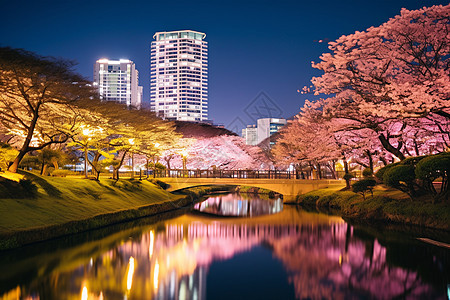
point(118, 80)
point(179, 75)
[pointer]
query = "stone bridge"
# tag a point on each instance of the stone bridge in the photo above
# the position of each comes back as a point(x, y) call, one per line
point(289, 188)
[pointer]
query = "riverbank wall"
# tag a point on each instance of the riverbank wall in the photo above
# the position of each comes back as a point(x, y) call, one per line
point(40, 208)
point(28, 236)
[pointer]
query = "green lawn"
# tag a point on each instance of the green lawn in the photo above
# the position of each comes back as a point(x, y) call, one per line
point(386, 205)
point(61, 200)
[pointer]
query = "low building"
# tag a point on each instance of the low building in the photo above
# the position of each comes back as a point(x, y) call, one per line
point(250, 135)
point(268, 126)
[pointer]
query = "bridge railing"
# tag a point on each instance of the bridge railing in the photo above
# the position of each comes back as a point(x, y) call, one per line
point(216, 173)
point(210, 173)
point(251, 174)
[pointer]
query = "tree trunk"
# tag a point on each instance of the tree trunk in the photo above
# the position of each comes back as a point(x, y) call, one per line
point(44, 169)
point(168, 159)
point(319, 171)
point(55, 163)
point(395, 151)
point(132, 166)
point(116, 168)
point(369, 156)
point(331, 168)
point(25, 147)
point(42, 165)
point(85, 162)
point(416, 148)
point(94, 165)
point(347, 180)
point(115, 173)
point(155, 160)
point(334, 169)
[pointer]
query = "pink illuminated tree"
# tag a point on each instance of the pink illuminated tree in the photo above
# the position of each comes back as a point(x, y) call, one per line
point(390, 74)
point(308, 141)
point(222, 152)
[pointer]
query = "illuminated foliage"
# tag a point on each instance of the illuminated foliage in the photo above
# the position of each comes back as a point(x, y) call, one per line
point(392, 80)
point(37, 100)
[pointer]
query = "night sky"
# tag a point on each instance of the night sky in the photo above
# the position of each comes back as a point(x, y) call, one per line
point(254, 46)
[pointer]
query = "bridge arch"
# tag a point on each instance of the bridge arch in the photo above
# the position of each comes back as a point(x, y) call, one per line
point(289, 188)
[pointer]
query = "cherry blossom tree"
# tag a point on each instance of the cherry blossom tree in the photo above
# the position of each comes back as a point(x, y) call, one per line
point(224, 152)
point(308, 139)
point(37, 100)
point(139, 135)
point(111, 132)
point(176, 150)
point(397, 71)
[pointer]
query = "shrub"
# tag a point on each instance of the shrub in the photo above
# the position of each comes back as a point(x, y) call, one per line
point(364, 185)
point(415, 175)
point(348, 176)
point(431, 168)
point(401, 177)
point(367, 172)
point(48, 171)
point(379, 175)
point(413, 160)
point(60, 173)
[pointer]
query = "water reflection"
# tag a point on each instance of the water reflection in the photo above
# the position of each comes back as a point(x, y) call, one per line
point(239, 205)
point(322, 255)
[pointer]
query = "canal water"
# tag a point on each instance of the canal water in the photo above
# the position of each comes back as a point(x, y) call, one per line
point(232, 247)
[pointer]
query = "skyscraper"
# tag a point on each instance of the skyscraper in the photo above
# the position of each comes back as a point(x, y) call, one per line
point(178, 78)
point(118, 80)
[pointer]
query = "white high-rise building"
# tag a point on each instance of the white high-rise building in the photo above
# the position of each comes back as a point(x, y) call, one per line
point(118, 80)
point(179, 75)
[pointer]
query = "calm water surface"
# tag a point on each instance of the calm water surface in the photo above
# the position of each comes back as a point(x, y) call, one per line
point(266, 252)
point(239, 205)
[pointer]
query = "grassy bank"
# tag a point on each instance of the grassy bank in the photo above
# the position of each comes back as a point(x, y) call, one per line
point(255, 190)
point(387, 205)
point(62, 206)
point(198, 192)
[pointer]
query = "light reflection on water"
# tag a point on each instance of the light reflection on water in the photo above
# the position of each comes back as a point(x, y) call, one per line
point(322, 257)
point(239, 205)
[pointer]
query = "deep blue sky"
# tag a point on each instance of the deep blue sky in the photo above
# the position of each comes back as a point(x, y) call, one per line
point(254, 46)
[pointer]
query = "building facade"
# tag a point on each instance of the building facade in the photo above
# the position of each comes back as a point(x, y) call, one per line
point(118, 80)
point(250, 135)
point(179, 75)
point(268, 126)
